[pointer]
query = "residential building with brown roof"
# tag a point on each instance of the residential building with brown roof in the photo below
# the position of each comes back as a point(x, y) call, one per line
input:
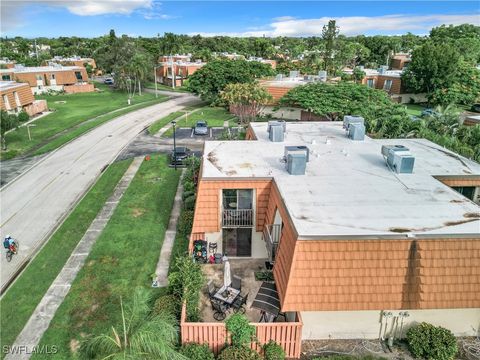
point(400, 61)
point(73, 61)
point(71, 79)
point(358, 237)
point(176, 69)
point(15, 97)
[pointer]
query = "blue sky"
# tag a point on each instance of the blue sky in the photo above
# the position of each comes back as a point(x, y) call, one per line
point(89, 18)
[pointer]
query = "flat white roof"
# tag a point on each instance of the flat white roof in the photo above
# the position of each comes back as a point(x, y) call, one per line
point(5, 85)
point(347, 189)
point(35, 69)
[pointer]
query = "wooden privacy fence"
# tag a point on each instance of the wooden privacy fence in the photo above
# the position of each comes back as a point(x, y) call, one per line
point(287, 334)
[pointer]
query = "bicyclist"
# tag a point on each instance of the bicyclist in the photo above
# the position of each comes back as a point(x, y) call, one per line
point(9, 243)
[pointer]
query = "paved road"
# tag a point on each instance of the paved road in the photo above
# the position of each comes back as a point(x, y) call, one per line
point(33, 205)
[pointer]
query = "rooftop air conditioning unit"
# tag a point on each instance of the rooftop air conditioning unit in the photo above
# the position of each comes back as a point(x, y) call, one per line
point(350, 119)
point(276, 133)
point(356, 131)
point(279, 77)
point(399, 158)
point(361, 67)
point(296, 163)
point(277, 122)
point(294, 74)
point(322, 75)
point(297, 150)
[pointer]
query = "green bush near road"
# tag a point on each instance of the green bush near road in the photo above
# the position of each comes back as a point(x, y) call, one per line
point(124, 257)
point(70, 110)
point(21, 299)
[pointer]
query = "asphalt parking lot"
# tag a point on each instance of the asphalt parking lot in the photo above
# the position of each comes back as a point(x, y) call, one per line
point(213, 133)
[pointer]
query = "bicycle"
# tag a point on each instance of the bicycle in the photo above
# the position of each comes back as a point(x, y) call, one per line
point(10, 253)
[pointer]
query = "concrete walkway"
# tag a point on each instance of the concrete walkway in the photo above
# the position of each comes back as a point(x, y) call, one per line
point(56, 293)
point(164, 260)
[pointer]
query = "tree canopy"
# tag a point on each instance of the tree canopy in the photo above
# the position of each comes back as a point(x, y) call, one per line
point(212, 78)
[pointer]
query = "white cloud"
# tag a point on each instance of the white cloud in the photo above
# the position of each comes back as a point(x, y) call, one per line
point(13, 11)
point(355, 25)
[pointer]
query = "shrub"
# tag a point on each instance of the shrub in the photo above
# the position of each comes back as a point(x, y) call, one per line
point(197, 352)
point(185, 222)
point(23, 116)
point(187, 194)
point(273, 351)
point(167, 304)
point(185, 281)
point(188, 186)
point(238, 353)
point(189, 203)
point(431, 342)
point(241, 331)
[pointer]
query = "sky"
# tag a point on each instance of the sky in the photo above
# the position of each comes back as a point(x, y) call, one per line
point(90, 18)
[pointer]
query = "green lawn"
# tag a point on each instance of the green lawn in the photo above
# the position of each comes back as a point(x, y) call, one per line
point(124, 257)
point(215, 117)
point(24, 295)
point(151, 85)
point(414, 109)
point(157, 125)
point(76, 109)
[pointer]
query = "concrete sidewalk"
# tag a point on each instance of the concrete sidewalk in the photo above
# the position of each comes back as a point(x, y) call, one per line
point(167, 246)
point(56, 293)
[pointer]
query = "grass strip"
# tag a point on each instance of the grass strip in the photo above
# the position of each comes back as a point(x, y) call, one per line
point(157, 125)
point(70, 110)
point(21, 299)
point(82, 129)
point(124, 257)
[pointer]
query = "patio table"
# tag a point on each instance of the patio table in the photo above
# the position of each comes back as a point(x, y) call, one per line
point(267, 301)
point(232, 295)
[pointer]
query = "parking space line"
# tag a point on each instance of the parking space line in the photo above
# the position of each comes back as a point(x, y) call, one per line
point(211, 135)
point(191, 134)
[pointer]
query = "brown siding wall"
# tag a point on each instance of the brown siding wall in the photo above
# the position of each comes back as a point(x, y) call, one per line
point(384, 274)
point(24, 94)
point(207, 209)
point(277, 92)
point(452, 181)
point(250, 134)
point(73, 89)
point(62, 77)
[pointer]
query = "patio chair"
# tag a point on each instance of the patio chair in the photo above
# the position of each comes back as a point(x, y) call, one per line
point(237, 282)
point(238, 304)
point(212, 289)
point(218, 310)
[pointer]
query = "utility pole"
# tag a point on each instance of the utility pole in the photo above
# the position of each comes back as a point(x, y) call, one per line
point(36, 49)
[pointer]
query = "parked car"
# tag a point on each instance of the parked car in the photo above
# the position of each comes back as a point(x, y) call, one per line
point(475, 108)
point(182, 153)
point(108, 81)
point(201, 128)
point(428, 112)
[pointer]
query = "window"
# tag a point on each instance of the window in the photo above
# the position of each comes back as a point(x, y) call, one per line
point(371, 83)
point(6, 102)
point(6, 77)
point(470, 192)
point(78, 75)
point(38, 77)
point(17, 99)
point(52, 76)
point(237, 199)
point(387, 85)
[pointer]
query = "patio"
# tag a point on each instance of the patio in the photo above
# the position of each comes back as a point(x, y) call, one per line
point(245, 269)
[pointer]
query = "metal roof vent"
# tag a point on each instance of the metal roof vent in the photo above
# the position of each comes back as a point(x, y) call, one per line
point(350, 119)
point(356, 131)
point(277, 122)
point(294, 74)
point(398, 158)
point(276, 133)
point(297, 150)
point(297, 163)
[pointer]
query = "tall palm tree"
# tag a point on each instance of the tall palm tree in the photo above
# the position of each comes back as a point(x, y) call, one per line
point(140, 336)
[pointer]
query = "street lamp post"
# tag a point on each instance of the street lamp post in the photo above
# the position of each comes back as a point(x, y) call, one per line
point(174, 146)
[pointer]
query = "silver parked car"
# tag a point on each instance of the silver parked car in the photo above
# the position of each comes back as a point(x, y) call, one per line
point(201, 128)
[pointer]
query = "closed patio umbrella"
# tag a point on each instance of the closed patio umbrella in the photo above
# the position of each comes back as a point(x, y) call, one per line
point(227, 275)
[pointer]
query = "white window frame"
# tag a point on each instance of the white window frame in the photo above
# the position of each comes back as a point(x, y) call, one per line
point(17, 99)
point(389, 86)
point(6, 102)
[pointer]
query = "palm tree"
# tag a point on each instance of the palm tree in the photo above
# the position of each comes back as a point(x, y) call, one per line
point(140, 336)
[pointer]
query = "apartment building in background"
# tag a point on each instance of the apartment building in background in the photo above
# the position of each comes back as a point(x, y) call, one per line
point(6, 63)
point(361, 231)
point(400, 61)
point(15, 97)
point(71, 79)
point(176, 69)
point(74, 61)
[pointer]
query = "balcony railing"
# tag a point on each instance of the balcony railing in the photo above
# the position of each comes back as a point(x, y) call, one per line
point(271, 235)
point(237, 218)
